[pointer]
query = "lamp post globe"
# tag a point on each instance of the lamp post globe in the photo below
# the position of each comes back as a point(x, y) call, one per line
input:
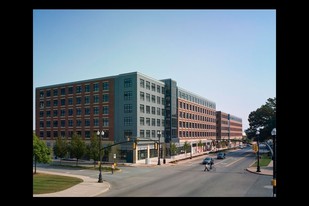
point(159, 135)
point(273, 133)
point(258, 152)
point(100, 134)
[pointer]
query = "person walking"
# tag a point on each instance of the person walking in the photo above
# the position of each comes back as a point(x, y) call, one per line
point(113, 167)
point(206, 168)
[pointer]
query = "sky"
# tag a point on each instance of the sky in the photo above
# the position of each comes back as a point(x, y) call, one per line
point(226, 56)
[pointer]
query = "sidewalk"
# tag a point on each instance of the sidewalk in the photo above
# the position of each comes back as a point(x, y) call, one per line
point(265, 170)
point(88, 188)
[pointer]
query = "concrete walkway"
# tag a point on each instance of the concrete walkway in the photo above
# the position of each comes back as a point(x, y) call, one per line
point(88, 188)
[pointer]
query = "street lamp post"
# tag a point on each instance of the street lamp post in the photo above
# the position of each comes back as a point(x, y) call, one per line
point(258, 152)
point(159, 135)
point(100, 134)
point(273, 133)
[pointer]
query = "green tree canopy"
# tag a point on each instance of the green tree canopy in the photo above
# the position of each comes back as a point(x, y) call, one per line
point(60, 148)
point(41, 153)
point(77, 147)
point(264, 119)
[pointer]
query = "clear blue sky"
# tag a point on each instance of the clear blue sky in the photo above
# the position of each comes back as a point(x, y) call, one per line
point(227, 56)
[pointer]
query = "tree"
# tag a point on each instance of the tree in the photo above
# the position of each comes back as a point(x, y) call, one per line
point(200, 144)
point(60, 148)
point(173, 148)
point(77, 147)
point(264, 118)
point(93, 148)
point(186, 146)
point(41, 153)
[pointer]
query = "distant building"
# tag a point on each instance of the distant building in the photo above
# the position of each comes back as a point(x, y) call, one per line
point(130, 105)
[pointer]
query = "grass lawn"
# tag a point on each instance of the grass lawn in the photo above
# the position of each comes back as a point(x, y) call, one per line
point(264, 161)
point(47, 183)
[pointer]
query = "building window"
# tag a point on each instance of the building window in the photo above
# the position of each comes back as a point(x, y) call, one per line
point(41, 113)
point(158, 122)
point(41, 105)
point(127, 121)
point(153, 87)
point(105, 86)
point(153, 110)
point(147, 97)
point(163, 112)
point(95, 87)
point(70, 123)
point(147, 85)
point(62, 123)
point(163, 90)
point(87, 100)
point(78, 89)
point(70, 90)
point(78, 122)
point(147, 109)
point(96, 122)
point(55, 103)
point(48, 93)
point(41, 124)
point(153, 98)
point(105, 122)
point(142, 121)
point(127, 108)
point(163, 101)
point(142, 133)
point(41, 93)
point(158, 88)
point(47, 103)
point(78, 111)
point(87, 88)
point(62, 91)
point(87, 122)
point(78, 100)
point(47, 123)
point(142, 83)
point(70, 101)
point(147, 133)
point(70, 112)
point(141, 108)
point(127, 83)
point(153, 122)
point(87, 111)
point(158, 111)
point(95, 110)
point(127, 95)
point(55, 92)
point(142, 96)
point(55, 113)
point(62, 102)
point(55, 134)
point(148, 121)
point(105, 98)
point(87, 134)
point(96, 99)
point(62, 112)
point(55, 123)
point(153, 133)
point(105, 110)
point(47, 114)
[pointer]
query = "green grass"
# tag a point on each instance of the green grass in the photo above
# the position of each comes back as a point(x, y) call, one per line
point(47, 183)
point(264, 161)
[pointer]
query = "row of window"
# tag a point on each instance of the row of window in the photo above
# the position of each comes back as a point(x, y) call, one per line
point(196, 134)
point(195, 125)
point(154, 98)
point(196, 108)
point(154, 122)
point(196, 117)
point(153, 86)
point(70, 123)
point(158, 111)
point(78, 89)
point(192, 98)
point(150, 133)
point(78, 100)
point(78, 111)
point(55, 134)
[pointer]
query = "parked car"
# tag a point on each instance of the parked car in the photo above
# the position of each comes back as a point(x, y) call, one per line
point(208, 160)
point(220, 155)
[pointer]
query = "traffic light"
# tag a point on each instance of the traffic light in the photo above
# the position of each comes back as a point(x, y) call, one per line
point(255, 147)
